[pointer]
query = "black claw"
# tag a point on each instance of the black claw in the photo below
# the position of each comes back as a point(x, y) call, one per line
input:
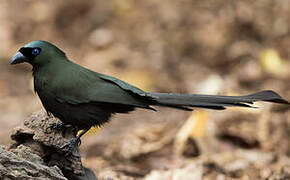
point(57, 125)
point(70, 147)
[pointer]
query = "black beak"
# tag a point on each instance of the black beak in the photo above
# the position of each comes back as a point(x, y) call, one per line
point(18, 58)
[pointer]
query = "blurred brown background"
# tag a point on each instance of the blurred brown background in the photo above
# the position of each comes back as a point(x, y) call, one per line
point(202, 46)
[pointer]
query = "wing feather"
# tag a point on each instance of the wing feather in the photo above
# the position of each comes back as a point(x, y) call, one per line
point(86, 86)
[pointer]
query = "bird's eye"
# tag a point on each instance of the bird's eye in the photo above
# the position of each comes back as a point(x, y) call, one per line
point(35, 51)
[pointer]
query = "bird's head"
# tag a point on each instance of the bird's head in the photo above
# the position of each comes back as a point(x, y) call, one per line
point(37, 53)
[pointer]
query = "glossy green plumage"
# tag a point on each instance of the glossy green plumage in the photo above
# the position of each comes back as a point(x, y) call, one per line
point(83, 98)
point(74, 84)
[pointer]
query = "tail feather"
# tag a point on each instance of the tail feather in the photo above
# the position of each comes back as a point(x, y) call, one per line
point(185, 101)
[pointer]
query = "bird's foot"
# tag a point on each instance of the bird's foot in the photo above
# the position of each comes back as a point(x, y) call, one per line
point(49, 114)
point(57, 125)
point(71, 146)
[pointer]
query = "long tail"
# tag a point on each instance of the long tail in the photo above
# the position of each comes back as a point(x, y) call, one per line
point(186, 101)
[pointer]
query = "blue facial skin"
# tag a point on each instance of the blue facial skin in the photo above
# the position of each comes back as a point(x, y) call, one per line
point(35, 51)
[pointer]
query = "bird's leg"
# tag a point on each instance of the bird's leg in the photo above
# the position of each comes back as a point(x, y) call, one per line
point(72, 145)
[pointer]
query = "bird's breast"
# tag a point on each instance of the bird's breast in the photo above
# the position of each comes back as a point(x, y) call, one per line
point(40, 84)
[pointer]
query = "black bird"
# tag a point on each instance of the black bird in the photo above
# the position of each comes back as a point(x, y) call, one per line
point(84, 98)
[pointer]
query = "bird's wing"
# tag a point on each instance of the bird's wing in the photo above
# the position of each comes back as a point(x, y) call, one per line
point(85, 86)
point(124, 85)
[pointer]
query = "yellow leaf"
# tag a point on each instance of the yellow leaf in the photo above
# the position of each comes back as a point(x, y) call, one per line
point(140, 78)
point(199, 127)
point(272, 62)
point(195, 127)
